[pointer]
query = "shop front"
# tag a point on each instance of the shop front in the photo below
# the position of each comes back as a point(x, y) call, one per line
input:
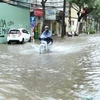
point(38, 13)
point(51, 20)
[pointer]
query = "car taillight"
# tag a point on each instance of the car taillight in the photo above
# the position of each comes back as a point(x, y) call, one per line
point(9, 34)
point(19, 34)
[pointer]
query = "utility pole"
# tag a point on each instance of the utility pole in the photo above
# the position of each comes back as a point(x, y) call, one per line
point(43, 6)
point(70, 15)
point(63, 19)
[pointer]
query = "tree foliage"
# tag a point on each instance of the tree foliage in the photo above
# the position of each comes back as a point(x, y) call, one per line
point(87, 5)
point(96, 13)
point(80, 3)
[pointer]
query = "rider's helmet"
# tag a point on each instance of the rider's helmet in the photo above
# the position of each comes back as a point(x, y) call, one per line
point(46, 27)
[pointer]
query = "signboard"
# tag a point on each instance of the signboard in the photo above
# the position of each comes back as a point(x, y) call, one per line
point(50, 14)
point(38, 12)
point(33, 21)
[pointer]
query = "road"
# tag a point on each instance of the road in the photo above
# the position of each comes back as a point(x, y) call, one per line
point(69, 71)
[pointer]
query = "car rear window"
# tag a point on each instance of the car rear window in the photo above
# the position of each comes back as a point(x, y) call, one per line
point(14, 31)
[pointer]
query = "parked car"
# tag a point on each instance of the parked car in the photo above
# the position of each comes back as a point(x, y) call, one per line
point(18, 35)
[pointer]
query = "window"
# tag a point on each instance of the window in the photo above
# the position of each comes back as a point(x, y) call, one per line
point(25, 31)
point(14, 32)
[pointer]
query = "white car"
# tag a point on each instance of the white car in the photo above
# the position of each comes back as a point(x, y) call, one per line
point(18, 35)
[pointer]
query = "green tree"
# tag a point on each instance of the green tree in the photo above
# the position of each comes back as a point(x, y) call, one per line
point(96, 13)
point(86, 5)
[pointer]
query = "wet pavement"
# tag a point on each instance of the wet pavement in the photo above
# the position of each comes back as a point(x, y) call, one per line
point(69, 71)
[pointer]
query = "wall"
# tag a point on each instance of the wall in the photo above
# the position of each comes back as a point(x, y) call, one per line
point(74, 19)
point(12, 17)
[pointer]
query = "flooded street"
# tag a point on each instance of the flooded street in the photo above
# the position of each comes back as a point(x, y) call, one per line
point(69, 71)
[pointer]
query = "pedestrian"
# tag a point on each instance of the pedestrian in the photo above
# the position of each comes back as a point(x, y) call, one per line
point(88, 29)
point(32, 30)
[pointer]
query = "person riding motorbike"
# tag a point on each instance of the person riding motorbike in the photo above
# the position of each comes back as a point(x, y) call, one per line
point(46, 36)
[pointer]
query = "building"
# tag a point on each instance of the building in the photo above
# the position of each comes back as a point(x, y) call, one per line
point(71, 17)
point(13, 16)
point(54, 9)
point(53, 16)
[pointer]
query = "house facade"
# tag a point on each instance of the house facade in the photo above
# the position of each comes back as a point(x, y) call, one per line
point(12, 16)
point(71, 26)
point(53, 16)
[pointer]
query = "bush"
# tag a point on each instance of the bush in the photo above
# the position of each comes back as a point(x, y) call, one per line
point(91, 32)
point(86, 32)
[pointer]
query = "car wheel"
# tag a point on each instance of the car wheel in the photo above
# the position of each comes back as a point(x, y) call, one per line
point(29, 39)
point(9, 42)
point(22, 41)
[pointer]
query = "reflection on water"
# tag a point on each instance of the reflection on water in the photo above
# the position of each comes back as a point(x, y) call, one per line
point(69, 71)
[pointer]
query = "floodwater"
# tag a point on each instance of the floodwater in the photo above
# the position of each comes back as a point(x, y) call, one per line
point(69, 71)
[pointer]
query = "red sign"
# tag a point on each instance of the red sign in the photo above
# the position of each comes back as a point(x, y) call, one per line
point(38, 12)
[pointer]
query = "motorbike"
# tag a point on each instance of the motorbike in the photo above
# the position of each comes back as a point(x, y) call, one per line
point(45, 44)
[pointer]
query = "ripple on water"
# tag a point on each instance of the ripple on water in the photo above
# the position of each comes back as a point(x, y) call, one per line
point(6, 56)
point(14, 92)
point(65, 49)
